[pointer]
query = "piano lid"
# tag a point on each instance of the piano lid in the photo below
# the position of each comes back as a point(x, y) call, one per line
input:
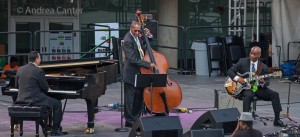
point(76, 62)
point(66, 63)
point(64, 77)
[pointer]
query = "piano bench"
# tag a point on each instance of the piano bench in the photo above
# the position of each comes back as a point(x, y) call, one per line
point(19, 113)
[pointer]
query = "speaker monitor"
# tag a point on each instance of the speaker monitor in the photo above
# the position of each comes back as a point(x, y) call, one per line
point(220, 118)
point(205, 133)
point(224, 100)
point(160, 126)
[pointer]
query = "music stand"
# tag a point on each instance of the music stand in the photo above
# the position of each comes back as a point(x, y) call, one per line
point(150, 80)
point(287, 115)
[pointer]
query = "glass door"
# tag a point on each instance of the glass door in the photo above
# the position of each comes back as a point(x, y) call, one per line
point(53, 36)
point(60, 40)
point(22, 43)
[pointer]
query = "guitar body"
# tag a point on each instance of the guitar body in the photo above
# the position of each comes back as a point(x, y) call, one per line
point(234, 88)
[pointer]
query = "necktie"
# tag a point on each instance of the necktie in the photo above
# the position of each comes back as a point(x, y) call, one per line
point(253, 68)
point(139, 48)
point(254, 87)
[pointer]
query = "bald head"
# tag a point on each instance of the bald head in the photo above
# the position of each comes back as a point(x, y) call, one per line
point(135, 29)
point(135, 24)
point(256, 49)
point(255, 53)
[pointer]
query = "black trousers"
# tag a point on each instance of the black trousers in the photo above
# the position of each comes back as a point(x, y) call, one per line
point(265, 94)
point(133, 102)
point(56, 107)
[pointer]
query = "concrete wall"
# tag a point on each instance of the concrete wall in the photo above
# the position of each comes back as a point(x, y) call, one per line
point(167, 36)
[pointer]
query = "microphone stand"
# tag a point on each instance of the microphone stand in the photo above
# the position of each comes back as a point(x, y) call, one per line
point(121, 129)
point(287, 115)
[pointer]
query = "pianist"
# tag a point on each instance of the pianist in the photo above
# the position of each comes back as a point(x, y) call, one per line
point(33, 86)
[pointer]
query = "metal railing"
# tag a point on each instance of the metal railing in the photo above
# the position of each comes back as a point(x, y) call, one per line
point(183, 47)
point(18, 32)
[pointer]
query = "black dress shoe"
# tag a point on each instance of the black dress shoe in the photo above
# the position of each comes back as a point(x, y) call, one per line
point(58, 133)
point(128, 124)
point(279, 123)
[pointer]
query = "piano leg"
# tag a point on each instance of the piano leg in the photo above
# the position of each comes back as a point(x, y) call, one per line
point(14, 98)
point(91, 114)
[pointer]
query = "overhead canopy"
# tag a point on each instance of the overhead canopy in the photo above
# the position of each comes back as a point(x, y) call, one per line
point(285, 29)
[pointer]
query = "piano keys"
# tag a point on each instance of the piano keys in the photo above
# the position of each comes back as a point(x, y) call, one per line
point(72, 79)
point(15, 90)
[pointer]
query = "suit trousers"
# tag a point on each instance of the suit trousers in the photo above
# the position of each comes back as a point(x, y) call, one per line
point(133, 102)
point(56, 107)
point(265, 94)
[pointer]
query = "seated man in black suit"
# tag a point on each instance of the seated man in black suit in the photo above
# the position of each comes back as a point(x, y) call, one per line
point(33, 86)
point(262, 92)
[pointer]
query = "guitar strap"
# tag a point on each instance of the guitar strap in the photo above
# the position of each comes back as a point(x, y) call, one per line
point(258, 68)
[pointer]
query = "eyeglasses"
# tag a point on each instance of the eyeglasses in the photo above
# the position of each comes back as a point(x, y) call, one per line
point(137, 30)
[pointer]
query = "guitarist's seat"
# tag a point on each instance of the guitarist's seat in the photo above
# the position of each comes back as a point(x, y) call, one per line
point(253, 110)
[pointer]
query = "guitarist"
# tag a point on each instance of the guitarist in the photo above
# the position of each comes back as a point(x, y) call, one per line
point(261, 90)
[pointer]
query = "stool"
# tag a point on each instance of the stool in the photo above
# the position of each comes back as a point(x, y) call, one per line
point(21, 112)
point(253, 110)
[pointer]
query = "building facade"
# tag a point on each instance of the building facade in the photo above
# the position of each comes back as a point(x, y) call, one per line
point(39, 25)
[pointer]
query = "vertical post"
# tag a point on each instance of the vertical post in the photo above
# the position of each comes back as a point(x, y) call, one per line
point(288, 105)
point(235, 17)
point(229, 17)
point(244, 21)
point(257, 20)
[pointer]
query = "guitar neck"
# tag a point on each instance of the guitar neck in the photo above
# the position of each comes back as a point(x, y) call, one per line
point(258, 77)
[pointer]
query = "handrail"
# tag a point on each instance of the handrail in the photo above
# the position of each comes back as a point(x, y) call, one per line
point(183, 42)
point(88, 34)
point(288, 50)
point(97, 46)
point(201, 27)
point(25, 54)
point(183, 51)
point(83, 30)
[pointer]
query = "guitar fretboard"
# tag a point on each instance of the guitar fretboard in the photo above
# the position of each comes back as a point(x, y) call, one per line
point(258, 77)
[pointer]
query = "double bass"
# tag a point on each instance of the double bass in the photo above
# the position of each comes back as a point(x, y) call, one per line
point(159, 99)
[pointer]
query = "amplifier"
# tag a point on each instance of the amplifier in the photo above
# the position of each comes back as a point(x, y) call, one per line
point(223, 100)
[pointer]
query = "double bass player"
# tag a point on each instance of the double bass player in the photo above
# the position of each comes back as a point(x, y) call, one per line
point(134, 52)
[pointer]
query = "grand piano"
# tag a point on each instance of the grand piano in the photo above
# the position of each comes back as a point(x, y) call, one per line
point(72, 79)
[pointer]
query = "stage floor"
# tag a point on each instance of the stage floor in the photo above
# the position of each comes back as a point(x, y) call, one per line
point(198, 94)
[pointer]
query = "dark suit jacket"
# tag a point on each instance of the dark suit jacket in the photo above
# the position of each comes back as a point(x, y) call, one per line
point(132, 63)
point(32, 85)
point(243, 66)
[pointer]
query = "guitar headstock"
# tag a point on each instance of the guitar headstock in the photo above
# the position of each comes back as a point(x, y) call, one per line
point(277, 74)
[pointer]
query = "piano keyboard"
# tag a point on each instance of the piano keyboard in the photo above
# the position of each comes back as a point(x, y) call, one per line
point(13, 90)
point(62, 91)
point(50, 91)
